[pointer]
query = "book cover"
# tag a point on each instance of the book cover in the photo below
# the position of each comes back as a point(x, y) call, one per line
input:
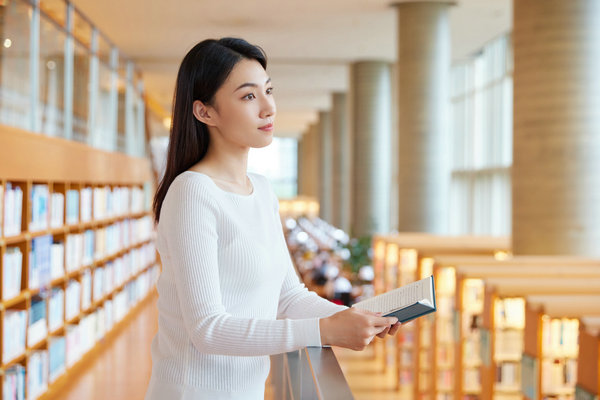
point(405, 303)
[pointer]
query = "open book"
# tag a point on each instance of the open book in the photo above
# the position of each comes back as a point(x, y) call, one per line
point(405, 303)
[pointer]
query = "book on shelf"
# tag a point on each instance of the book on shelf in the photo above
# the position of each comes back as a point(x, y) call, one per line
point(13, 209)
point(57, 260)
point(73, 349)
point(40, 262)
point(56, 355)
point(56, 309)
point(14, 383)
point(72, 216)
point(11, 272)
point(86, 289)
point(37, 373)
point(405, 303)
point(14, 333)
point(39, 208)
point(72, 299)
point(37, 330)
point(558, 375)
point(85, 204)
point(560, 337)
point(57, 204)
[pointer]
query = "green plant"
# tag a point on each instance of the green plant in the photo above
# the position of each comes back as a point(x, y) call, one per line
point(360, 253)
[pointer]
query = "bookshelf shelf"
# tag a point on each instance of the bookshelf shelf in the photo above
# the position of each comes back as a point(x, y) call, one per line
point(509, 277)
point(410, 257)
point(76, 253)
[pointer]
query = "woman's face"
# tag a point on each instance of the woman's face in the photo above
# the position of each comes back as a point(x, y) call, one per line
point(243, 107)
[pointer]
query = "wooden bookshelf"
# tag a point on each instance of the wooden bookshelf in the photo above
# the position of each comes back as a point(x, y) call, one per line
point(111, 243)
point(588, 378)
point(475, 323)
point(411, 257)
point(551, 343)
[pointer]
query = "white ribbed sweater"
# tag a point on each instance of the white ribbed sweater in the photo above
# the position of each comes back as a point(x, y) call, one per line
point(228, 293)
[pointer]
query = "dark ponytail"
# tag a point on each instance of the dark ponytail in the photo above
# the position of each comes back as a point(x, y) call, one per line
point(202, 72)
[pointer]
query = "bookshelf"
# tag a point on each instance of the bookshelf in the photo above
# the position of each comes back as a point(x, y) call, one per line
point(76, 254)
point(588, 378)
point(414, 254)
point(478, 365)
point(551, 347)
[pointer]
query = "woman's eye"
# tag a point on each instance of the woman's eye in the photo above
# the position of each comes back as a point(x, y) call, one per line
point(270, 90)
point(249, 96)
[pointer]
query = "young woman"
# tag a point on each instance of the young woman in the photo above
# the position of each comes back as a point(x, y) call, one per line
point(228, 292)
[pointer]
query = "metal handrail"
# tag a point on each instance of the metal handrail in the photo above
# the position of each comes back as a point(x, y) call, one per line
point(309, 373)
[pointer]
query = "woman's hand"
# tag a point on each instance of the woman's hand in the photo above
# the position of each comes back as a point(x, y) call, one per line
point(355, 328)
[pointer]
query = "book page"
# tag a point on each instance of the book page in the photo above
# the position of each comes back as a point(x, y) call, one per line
point(402, 297)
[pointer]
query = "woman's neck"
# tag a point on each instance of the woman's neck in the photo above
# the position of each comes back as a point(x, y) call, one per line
point(225, 166)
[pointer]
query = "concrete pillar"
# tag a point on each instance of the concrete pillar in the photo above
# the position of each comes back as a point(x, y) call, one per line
point(370, 115)
point(423, 104)
point(341, 163)
point(325, 170)
point(556, 147)
point(308, 182)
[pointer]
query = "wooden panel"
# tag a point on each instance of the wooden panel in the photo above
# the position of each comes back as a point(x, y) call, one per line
point(588, 377)
point(27, 156)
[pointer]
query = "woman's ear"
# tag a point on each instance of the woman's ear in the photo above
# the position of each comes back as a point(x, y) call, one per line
point(202, 113)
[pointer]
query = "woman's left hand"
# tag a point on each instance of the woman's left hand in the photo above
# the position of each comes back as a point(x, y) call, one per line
point(390, 330)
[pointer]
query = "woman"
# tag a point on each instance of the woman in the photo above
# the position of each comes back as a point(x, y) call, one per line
point(228, 292)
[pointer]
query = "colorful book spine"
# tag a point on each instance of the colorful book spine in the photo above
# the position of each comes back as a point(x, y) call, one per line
point(14, 383)
point(37, 330)
point(39, 208)
point(40, 262)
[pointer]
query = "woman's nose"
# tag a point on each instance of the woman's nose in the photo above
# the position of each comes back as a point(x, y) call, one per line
point(268, 109)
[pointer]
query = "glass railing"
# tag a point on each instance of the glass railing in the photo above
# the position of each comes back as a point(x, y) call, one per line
point(60, 76)
point(309, 373)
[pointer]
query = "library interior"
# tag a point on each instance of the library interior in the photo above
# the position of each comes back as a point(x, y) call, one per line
point(453, 139)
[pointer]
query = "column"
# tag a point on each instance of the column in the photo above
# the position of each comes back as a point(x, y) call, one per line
point(308, 182)
point(325, 170)
point(341, 151)
point(370, 110)
point(556, 146)
point(423, 105)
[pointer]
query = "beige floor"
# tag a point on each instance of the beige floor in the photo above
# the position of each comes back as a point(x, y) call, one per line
point(121, 368)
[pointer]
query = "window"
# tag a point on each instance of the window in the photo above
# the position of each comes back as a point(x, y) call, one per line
point(279, 163)
point(481, 98)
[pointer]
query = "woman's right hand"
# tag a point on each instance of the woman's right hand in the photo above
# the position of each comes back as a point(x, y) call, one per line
point(353, 328)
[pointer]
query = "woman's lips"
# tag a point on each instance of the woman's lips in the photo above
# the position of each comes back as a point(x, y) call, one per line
point(266, 128)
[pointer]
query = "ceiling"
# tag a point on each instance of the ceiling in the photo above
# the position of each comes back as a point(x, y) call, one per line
point(309, 43)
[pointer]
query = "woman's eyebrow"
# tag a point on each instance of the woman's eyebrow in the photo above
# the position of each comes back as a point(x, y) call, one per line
point(250, 84)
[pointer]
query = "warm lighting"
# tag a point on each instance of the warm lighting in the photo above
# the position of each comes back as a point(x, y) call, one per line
point(167, 122)
point(391, 256)
point(501, 255)
point(51, 65)
point(7, 43)
point(426, 267)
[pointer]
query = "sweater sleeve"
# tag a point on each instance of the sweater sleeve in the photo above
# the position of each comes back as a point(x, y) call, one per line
point(295, 300)
point(189, 219)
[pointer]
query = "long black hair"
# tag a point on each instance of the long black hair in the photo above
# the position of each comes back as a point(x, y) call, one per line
point(202, 72)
